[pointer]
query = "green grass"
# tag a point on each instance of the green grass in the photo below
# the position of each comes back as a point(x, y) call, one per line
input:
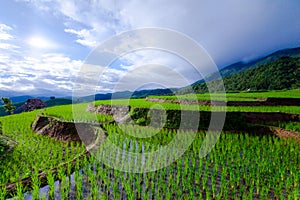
point(76, 112)
point(293, 126)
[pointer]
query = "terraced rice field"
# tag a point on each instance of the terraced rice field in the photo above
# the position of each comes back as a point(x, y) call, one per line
point(240, 165)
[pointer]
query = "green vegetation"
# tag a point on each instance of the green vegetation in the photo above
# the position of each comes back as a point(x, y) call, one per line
point(8, 105)
point(33, 151)
point(242, 66)
point(238, 96)
point(291, 126)
point(283, 73)
point(142, 103)
point(57, 102)
point(4, 113)
point(239, 166)
point(65, 113)
point(242, 165)
point(3, 145)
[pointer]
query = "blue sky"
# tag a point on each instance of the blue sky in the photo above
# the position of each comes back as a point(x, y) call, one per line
point(44, 43)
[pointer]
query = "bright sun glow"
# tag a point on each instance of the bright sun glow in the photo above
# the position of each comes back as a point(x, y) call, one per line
point(40, 42)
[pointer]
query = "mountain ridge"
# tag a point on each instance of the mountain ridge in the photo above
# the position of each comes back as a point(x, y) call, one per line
point(282, 73)
point(241, 66)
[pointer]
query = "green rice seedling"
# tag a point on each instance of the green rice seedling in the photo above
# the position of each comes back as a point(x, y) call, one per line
point(20, 192)
point(239, 166)
point(51, 181)
point(129, 192)
point(296, 193)
point(35, 184)
point(78, 184)
point(3, 192)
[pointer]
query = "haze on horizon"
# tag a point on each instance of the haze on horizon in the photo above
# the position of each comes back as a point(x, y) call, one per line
point(43, 43)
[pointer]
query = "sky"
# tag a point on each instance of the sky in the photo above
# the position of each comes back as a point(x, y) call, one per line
point(45, 44)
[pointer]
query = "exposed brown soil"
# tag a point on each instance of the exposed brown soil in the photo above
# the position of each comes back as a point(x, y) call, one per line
point(65, 131)
point(282, 133)
point(265, 102)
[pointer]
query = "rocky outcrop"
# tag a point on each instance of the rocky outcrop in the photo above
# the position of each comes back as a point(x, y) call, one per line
point(65, 131)
point(120, 113)
point(30, 105)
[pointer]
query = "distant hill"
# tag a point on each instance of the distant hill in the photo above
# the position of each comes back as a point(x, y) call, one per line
point(20, 99)
point(283, 73)
point(57, 102)
point(49, 103)
point(128, 94)
point(156, 92)
point(241, 66)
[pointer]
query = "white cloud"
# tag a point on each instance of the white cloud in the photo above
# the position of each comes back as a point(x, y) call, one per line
point(90, 21)
point(157, 75)
point(4, 32)
point(229, 30)
point(86, 37)
point(7, 46)
point(53, 72)
point(22, 71)
point(7, 41)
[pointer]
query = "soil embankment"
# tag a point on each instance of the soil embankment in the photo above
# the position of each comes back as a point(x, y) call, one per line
point(64, 131)
point(266, 102)
point(254, 122)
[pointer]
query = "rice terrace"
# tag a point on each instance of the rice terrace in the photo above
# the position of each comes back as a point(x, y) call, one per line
point(250, 160)
point(149, 100)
